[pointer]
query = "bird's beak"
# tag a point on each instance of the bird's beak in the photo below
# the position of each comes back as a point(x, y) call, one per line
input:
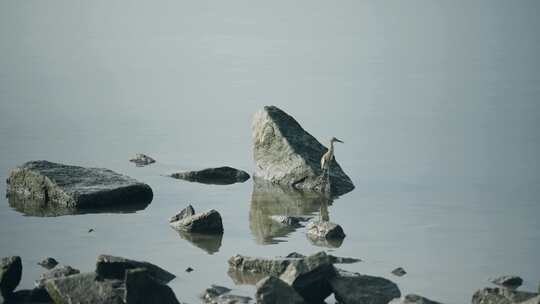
point(340, 141)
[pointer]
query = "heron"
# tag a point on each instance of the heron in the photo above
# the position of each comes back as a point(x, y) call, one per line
point(326, 159)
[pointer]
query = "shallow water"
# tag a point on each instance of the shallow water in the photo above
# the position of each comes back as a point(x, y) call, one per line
point(437, 103)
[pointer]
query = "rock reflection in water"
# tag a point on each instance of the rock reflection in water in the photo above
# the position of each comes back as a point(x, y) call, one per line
point(211, 243)
point(245, 278)
point(269, 199)
point(36, 208)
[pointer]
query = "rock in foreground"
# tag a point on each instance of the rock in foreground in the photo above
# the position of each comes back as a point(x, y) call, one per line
point(56, 273)
point(10, 275)
point(218, 176)
point(354, 288)
point(206, 222)
point(112, 267)
point(272, 290)
point(221, 295)
point(286, 154)
point(43, 183)
point(85, 288)
point(142, 288)
point(413, 299)
point(501, 296)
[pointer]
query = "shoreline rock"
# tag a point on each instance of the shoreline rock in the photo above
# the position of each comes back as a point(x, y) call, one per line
point(501, 296)
point(10, 275)
point(355, 288)
point(272, 290)
point(216, 176)
point(324, 230)
point(205, 222)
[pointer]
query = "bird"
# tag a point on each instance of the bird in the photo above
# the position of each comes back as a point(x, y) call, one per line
point(326, 159)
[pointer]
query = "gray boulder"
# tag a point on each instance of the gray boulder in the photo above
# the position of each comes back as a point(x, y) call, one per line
point(501, 296)
point(221, 295)
point(218, 176)
point(264, 266)
point(413, 299)
point(56, 273)
point(48, 184)
point(112, 267)
point(48, 263)
point(206, 222)
point(142, 160)
point(509, 281)
point(10, 275)
point(142, 288)
point(85, 288)
point(324, 230)
point(286, 154)
point(272, 290)
point(354, 288)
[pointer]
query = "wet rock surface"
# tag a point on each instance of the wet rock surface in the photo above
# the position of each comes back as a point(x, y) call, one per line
point(272, 290)
point(502, 296)
point(141, 160)
point(48, 263)
point(219, 176)
point(113, 267)
point(53, 185)
point(510, 281)
point(85, 288)
point(286, 154)
point(324, 230)
point(56, 273)
point(205, 222)
point(352, 288)
point(142, 288)
point(10, 275)
point(413, 299)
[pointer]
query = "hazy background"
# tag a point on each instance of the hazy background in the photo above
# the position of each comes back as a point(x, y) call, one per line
point(438, 103)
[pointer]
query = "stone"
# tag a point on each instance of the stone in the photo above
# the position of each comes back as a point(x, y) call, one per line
point(324, 230)
point(286, 154)
point(142, 160)
point(293, 221)
point(112, 267)
point(221, 295)
point(142, 288)
point(85, 288)
point(206, 222)
point(58, 272)
point(47, 184)
point(265, 266)
point(510, 281)
point(30, 296)
point(309, 276)
point(10, 274)
point(399, 272)
point(218, 176)
point(354, 288)
point(501, 296)
point(272, 290)
point(188, 211)
point(413, 299)
point(48, 263)
point(534, 300)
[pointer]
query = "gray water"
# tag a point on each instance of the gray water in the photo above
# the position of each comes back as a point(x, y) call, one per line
point(438, 103)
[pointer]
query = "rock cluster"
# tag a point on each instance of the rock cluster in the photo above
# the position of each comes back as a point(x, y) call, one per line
point(506, 293)
point(188, 221)
point(219, 176)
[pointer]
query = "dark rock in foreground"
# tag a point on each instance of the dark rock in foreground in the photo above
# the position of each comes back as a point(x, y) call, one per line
point(111, 267)
point(218, 176)
point(10, 275)
point(288, 155)
point(399, 272)
point(85, 288)
point(56, 273)
point(47, 184)
point(206, 222)
point(509, 281)
point(30, 296)
point(142, 160)
point(272, 290)
point(354, 288)
point(502, 296)
point(48, 263)
point(324, 230)
point(413, 299)
point(142, 288)
point(221, 295)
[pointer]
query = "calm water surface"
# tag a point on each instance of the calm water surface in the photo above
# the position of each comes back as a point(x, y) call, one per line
point(438, 104)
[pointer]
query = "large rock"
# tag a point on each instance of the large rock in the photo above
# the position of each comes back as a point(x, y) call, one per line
point(112, 267)
point(43, 183)
point(206, 222)
point(56, 273)
point(501, 296)
point(413, 299)
point(219, 176)
point(286, 154)
point(272, 290)
point(354, 288)
point(142, 288)
point(509, 281)
point(10, 275)
point(85, 288)
point(324, 230)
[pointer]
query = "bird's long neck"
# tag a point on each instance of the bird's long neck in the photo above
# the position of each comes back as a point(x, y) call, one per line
point(331, 147)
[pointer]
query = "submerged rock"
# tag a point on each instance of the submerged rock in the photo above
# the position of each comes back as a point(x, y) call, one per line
point(399, 272)
point(219, 176)
point(413, 299)
point(272, 290)
point(206, 222)
point(288, 155)
point(48, 184)
point(10, 274)
point(56, 273)
point(324, 230)
point(112, 267)
point(142, 160)
point(509, 281)
point(48, 263)
point(221, 295)
point(501, 296)
point(142, 288)
point(354, 288)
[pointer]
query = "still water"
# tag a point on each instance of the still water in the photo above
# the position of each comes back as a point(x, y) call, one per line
point(438, 103)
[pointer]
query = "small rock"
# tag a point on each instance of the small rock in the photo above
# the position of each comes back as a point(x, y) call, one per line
point(501, 296)
point(399, 272)
point(91, 230)
point(142, 288)
point(58, 272)
point(189, 269)
point(112, 267)
point(10, 274)
point(188, 211)
point(324, 230)
point(221, 295)
point(272, 290)
point(30, 296)
point(293, 221)
point(354, 288)
point(509, 281)
point(412, 299)
point(48, 263)
point(206, 222)
point(218, 176)
point(142, 160)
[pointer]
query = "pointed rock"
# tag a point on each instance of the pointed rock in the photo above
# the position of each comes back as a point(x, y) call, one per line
point(354, 288)
point(112, 267)
point(272, 290)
